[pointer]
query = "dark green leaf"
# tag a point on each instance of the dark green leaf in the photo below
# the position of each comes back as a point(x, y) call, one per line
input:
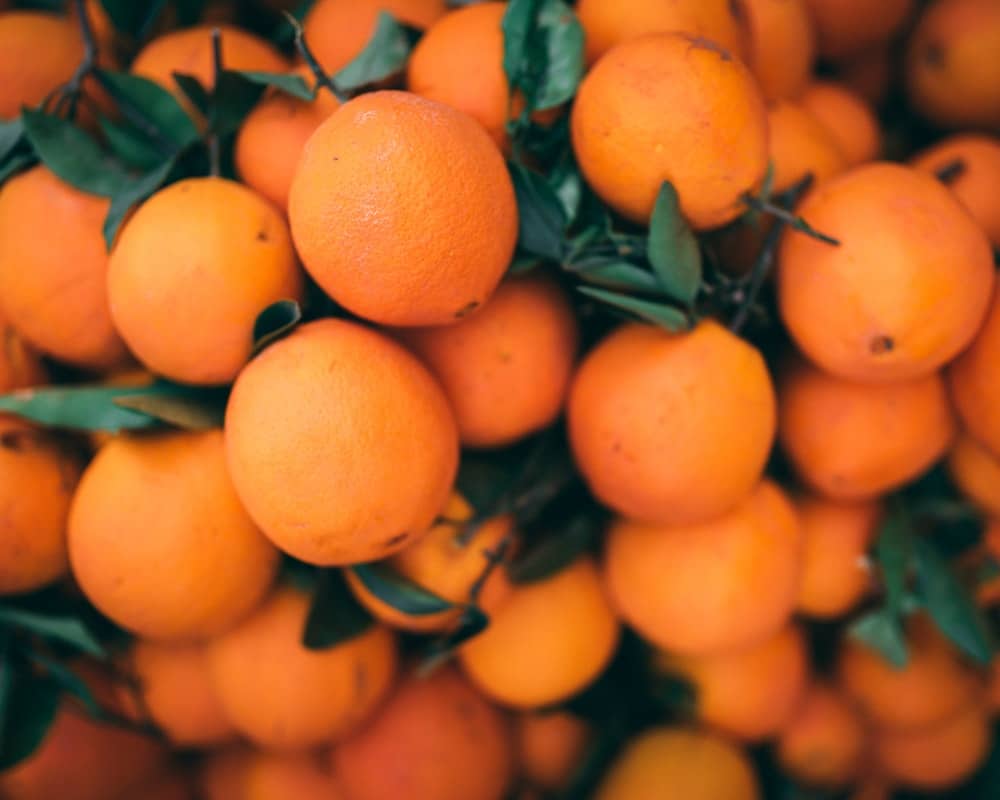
point(182, 407)
point(667, 317)
point(621, 275)
point(189, 12)
point(398, 592)
point(950, 604)
point(11, 134)
point(567, 183)
point(883, 632)
point(30, 711)
point(542, 222)
point(72, 155)
point(131, 17)
point(472, 622)
point(129, 145)
point(480, 481)
point(156, 105)
point(561, 43)
point(85, 408)
point(518, 23)
point(15, 164)
point(135, 192)
point(68, 630)
point(522, 264)
point(334, 616)
point(275, 322)
point(673, 249)
point(892, 550)
point(286, 82)
point(193, 91)
point(554, 553)
point(233, 97)
point(383, 56)
point(68, 681)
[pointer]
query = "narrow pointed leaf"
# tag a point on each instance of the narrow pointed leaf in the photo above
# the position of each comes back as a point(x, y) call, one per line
point(29, 714)
point(543, 559)
point(882, 632)
point(383, 56)
point(892, 550)
point(275, 322)
point(182, 407)
point(621, 275)
point(673, 249)
point(68, 630)
point(667, 317)
point(130, 145)
point(334, 616)
point(11, 134)
point(156, 105)
point(542, 222)
point(398, 592)
point(137, 190)
point(290, 84)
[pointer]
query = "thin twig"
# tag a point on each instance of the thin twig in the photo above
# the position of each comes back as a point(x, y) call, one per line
point(322, 79)
point(71, 90)
point(951, 171)
point(214, 160)
point(765, 206)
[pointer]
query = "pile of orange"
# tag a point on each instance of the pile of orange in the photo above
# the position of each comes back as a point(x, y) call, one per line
point(740, 482)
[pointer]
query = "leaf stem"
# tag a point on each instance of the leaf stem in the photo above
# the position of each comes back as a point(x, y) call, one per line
point(71, 90)
point(950, 172)
point(214, 160)
point(322, 79)
point(765, 206)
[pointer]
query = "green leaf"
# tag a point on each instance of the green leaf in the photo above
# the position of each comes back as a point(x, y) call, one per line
point(72, 155)
point(68, 681)
point(383, 56)
point(398, 592)
point(233, 97)
point(30, 710)
point(472, 622)
point(11, 134)
point(554, 553)
point(131, 17)
point(293, 85)
point(130, 145)
point(335, 615)
point(134, 192)
point(892, 551)
point(193, 91)
point(187, 408)
point(15, 164)
point(156, 105)
point(68, 630)
point(517, 25)
point(542, 223)
point(275, 322)
point(189, 12)
point(620, 275)
point(673, 249)
point(543, 51)
point(667, 317)
point(566, 181)
point(950, 604)
point(882, 632)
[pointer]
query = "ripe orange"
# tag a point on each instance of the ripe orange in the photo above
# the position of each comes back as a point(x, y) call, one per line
point(855, 441)
point(38, 53)
point(283, 696)
point(679, 762)
point(976, 472)
point(607, 23)
point(824, 742)
point(289, 776)
point(403, 211)
point(748, 693)
point(38, 476)
point(836, 572)
point(547, 640)
point(846, 27)
point(159, 542)
point(710, 587)
point(800, 146)
point(782, 46)
point(434, 739)
point(671, 428)
point(203, 256)
point(974, 185)
point(53, 269)
point(847, 116)
point(551, 747)
point(974, 388)
point(341, 445)
point(506, 369)
point(632, 128)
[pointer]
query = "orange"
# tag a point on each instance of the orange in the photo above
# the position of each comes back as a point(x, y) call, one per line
point(203, 256)
point(710, 587)
point(940, 757)
point(824, 742)
point(747, 693)
point(993, 688)
point(341, 445)
point(38, 476)
point(906, 289)
point(800, 146)
point(174, 692)
point(782, 46)
point(836, 572)
point(223, 772)
point(446, 564)
point(291, 776)
point(547, 640)
point(38, 54)
point(869, 74)
point(506, 369)
point(273, 136)
point(403, 211)
point(607, 23)
point(847, 116)
point(672, 427)
point(845, 27)
point(551, 747)
point(20, 366)
point(855, 441)
point(679, 762)
point(159, 542)
point(338, 30)
point(952, 74)
point(434, 739)
point(633, 128)
point(974, 185)
point(283, 696)
point(933, 686)
point(976, 472)
point(53, 269)
point(974, 388)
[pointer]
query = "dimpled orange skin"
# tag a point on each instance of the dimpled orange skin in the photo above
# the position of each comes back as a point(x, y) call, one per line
point(289, 776)
point(436, 738)
point(800, 146)
point(671, 107)
point(933, 686)
point(855, 441)
point(711, 587)
point(836, 573)
point(38, 53)
point(904, 292)
point(847, 116)
point(975, 185)
point(38, 478)
point(952, 74)
point(607, 23)
point(283, 696)
point(976, 472)
point(939, 757)
point(682, 763)
point(347, 481)
point(204, 256)
point(975, 390)
point(506, 369)
point(159, 542)
point(547, 640)
point(671, 428)
point(845, 27)
point(403, 211)
point(824, 742)
point(272, 137)
point(551, 746)
point(53, 269)
point(782, 46)
point(338, 30)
